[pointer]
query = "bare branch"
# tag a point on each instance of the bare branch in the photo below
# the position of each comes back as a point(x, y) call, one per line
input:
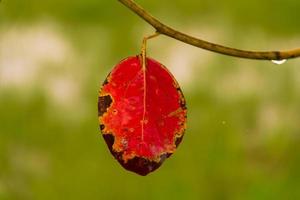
point(168, 31)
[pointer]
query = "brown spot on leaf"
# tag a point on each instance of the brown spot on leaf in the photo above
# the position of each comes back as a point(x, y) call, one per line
point(109, 139)
point(178, 140)
point(104, 103)
point(181, 99)
point(142, 166)
point(106, 81)
point(102, 127)
point(138, 165)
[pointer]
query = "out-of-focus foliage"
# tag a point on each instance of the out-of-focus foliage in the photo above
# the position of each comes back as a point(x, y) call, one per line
point(243, 134)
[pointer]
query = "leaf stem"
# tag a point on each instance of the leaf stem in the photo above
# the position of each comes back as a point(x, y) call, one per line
point(144, 48)
point(170, 32)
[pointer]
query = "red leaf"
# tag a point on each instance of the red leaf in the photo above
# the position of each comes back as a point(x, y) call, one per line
point(142, 114)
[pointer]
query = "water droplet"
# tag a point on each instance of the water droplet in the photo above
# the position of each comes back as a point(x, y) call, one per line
point(279, 62)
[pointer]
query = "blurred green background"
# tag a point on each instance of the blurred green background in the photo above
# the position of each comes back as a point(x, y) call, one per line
point(243, 136)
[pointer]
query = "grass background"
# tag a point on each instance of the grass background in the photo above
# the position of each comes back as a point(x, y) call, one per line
point(243, 134)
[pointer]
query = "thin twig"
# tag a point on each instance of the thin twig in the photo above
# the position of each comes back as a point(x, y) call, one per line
point(168, 31)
